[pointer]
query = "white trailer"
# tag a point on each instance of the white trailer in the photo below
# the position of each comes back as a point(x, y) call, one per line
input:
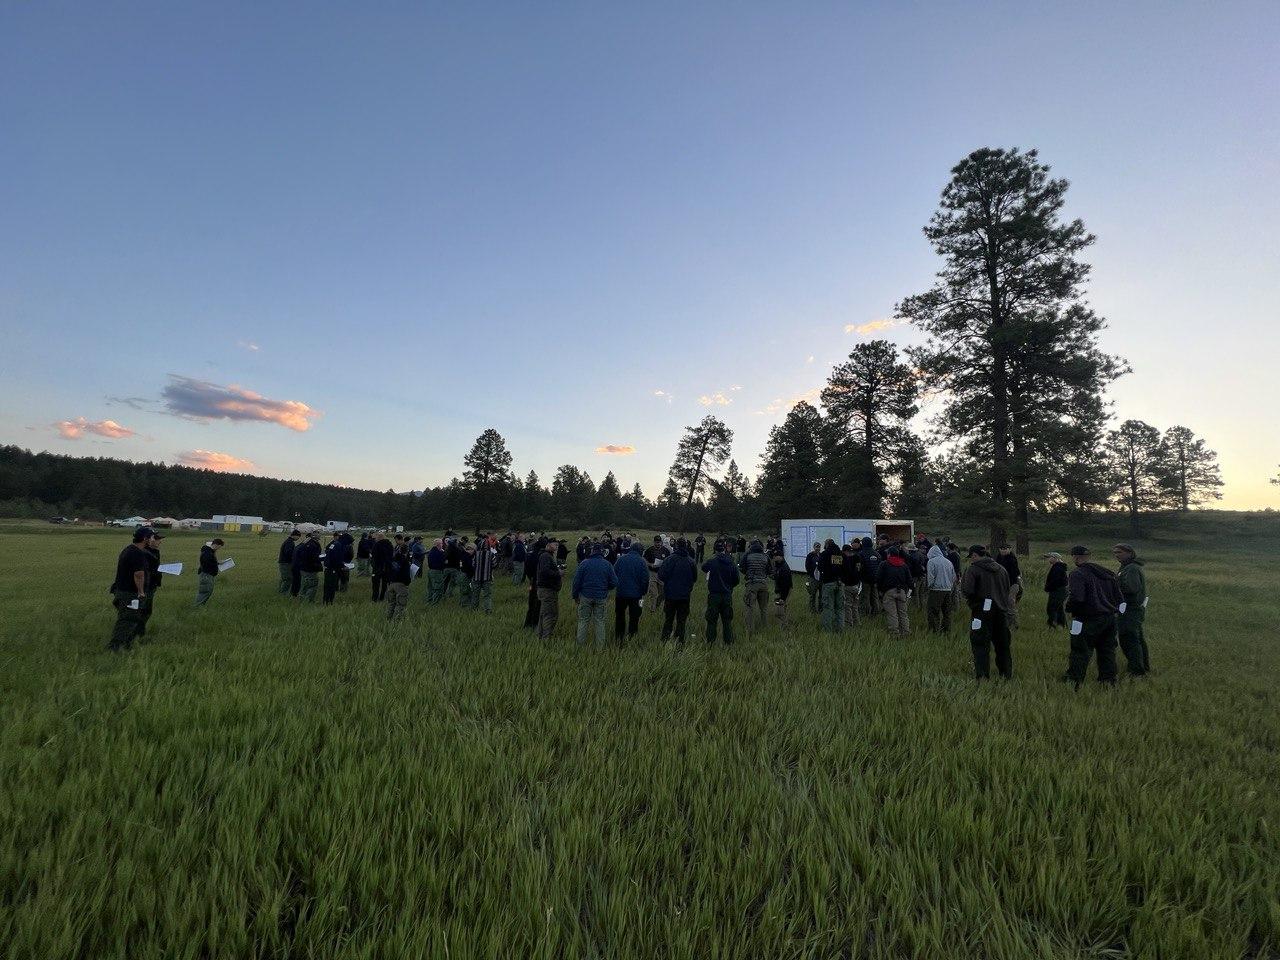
point(801, 535)
point(336, 525)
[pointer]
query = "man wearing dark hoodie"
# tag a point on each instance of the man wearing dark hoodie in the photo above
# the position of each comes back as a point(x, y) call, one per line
point(851, 580)
point(755, 594)
point(633, 583)
point(1009, 560)
point(811, 571)
point(1055, 585)
point(1133, 609)
point(1093, 596)
point(895, 581)
point(985, 586)
point(208, 569)
point(722, 577)
point(831, 577)
point(678, 574)
point(870, 567)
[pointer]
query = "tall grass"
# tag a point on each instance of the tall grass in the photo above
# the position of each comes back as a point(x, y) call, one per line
point(267, 780)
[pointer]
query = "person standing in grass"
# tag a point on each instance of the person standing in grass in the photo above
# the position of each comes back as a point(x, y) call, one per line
point(895, 581)
point(546, 582)
point(208, 570)
point(334, 563)
point(418, 554)
point(870, 568)
point(754, 567)
point(435, 572)
point(782, 582)
point(1093, 596)
point(364, 552)
point(306, 559)
point(533, 554)
point(348, 545)
point(592, 581)
point(486, 558)
point(1132, 610)
point(722, 577)
point(397, 577)
point(380, 564)
point(654, 557)
point(940, 578)
point(152, 547)
point(285, 561)
point(700, 546)
point(986, 588)
point(831, 579)
point(678, 574)
point(633, 583)
point(813, 584)
point(1009, 560)
point(1055, 585)
point(851, 584)
point(129, 589)
point(468, 569)
point(518, 557)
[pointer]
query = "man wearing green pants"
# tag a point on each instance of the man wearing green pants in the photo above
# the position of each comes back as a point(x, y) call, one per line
point(285, 561)
point(435, 572)
point(831, 580)
point(592, 581)
point(722, 577)
point(130, 588)
point(1093, 596)
point(208, 570)
point(1133, 610)
point(309, 567)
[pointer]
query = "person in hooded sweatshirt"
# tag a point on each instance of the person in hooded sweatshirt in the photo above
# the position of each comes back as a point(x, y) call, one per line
point(985, 586)
point(285, 560)
point(722, 577)
point(870, 567)
point(813, 584)
point(208, 570)
point(754, 567)
point(782, 580)
point(678, 573)
point(380, 563)
point(851, 581)
point(1093, 596)
point(1132, 610)
point(364, 552)
point(831, 577)
point(1055, 586)
point(1009, 560)
point(940, 580)
point(895, 582)
point(632, 572)
point(335, 560)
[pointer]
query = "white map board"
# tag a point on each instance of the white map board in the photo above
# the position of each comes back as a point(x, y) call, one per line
point(800, 535)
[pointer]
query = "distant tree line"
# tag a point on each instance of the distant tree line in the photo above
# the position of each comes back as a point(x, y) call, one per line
point(1011, 373)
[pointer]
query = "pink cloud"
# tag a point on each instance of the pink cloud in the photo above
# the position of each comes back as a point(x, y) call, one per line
point(218, 462)
point(202, 400)
point(617, 449)
point(77, 428)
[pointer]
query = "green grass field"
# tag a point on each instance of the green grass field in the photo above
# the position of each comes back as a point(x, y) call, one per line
point(267, 780)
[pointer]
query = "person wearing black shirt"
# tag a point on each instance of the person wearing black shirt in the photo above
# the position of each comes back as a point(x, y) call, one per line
point(781, 589)
point(285, 561)
point(208, 570)
point(532, 554)
point(811, 571)
point(129, 589)
point(153, 583)
point(562, 552)
point(335, 561)
point(1055, 585)
point(851, 579)
point(307, 563)
point(548, 580)
point(398, 574)
point(383, 551)
point(364, 552)
point(348, 549)
point(653, 556)
point(831, 576)
point(1006, 558)
point(700, 549)
point(452, 567)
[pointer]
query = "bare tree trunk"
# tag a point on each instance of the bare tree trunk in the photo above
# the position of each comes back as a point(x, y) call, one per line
point(693, 486)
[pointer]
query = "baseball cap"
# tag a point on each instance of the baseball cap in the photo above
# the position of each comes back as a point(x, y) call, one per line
point(1126, 547)
point(1053, 555)
point(1079, 551)
point(143, 533)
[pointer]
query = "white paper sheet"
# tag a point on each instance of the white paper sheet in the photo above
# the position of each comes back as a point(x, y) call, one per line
point(1145, 600)
point(976, 625)
point(413, 571)
point(349, 566)
point(226, 564)
point(133, 604)
point(986, 605)
point(1076, 628)
point(1124, 607)
point(171, 569)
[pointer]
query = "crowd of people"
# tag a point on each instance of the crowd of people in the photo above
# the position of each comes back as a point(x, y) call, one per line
point(846, 584)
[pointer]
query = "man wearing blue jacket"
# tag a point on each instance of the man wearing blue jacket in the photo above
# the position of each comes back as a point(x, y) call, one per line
point(592, 581)
point(632, 572)
point(722, 577)
point(678, 574)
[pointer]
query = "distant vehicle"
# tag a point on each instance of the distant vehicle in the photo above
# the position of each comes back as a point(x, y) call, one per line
point(61, 520)
point(128, 522)
point(336, 525)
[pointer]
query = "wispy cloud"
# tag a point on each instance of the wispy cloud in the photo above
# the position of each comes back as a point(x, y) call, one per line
point(77, 428)
point(202, 400)
point(247, 345)
point(664, 395)
point(715, 400)
point(809, 359)
point(213, 460)
point(873, 326)
point(616, 449)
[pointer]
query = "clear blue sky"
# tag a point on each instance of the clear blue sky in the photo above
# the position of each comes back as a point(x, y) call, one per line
point(401, 224)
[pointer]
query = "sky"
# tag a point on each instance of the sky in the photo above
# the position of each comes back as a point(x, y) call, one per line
point(335, 242)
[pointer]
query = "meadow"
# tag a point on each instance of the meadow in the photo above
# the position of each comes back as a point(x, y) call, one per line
point(262, 779)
